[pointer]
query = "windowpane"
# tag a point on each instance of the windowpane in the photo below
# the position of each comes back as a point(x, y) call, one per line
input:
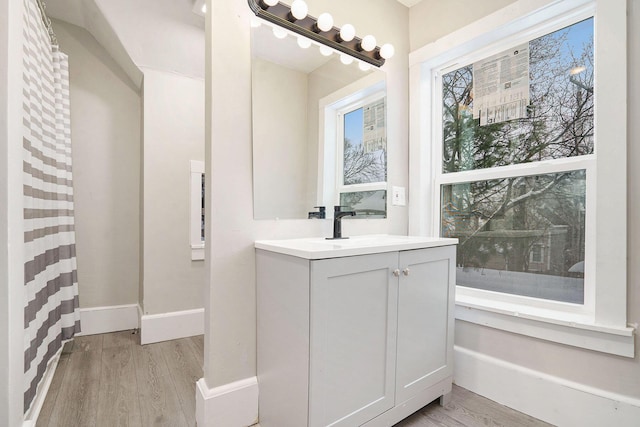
point(365, 144)
point(366, 204)
point(556, 123)
point(522, 235)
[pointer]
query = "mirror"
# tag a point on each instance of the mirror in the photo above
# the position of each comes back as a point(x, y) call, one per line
point(289, 84)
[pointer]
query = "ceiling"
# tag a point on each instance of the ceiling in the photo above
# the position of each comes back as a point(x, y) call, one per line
point(129, 31)
point(286, 51)
point(409, 3)
point(158, 34)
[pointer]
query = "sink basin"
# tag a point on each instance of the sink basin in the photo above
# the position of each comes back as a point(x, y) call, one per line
point(356, 241)
point(320, 248)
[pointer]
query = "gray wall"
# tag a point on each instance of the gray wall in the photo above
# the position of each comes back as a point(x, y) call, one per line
point(131, 179)
point(279, 132)
point(105, 106)
point(230, 352)
point(431, 19)
point(612, 373)
point(324, 81)
point(285, 134)
point(173, 127)
point(106, 137)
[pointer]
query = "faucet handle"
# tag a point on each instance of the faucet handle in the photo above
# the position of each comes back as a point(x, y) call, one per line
point(321, 213)
point(338, 208)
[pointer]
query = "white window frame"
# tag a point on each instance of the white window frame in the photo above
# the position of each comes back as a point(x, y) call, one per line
point(330, 137)
point(340, 113)
point(601, 323)
point(195, 211)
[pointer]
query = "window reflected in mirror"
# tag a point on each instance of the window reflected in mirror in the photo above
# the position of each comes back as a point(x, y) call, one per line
point(289, 84)
point(364, 157)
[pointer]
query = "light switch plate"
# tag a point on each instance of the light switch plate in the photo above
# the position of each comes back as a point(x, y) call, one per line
point(398, 196)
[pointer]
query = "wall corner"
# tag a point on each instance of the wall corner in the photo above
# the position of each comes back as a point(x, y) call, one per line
point(230, 405)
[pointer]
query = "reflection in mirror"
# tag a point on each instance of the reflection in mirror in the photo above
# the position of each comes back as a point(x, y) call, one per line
point(293, 88)
point(362, 162)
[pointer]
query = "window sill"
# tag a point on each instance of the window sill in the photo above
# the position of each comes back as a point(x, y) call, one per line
point(197, 252)
point(540, 324)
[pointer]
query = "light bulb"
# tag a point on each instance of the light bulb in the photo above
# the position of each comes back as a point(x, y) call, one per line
point(387, 50)
point(270, 2)
point(279, 33)
point(304, 42)
point(204, 8)
point(347, 32)
point(325, 22)
point(325, 50)
point(299, 9)
point(255, 22)
point(346, 59)
point(364, 66)
point(368, 43)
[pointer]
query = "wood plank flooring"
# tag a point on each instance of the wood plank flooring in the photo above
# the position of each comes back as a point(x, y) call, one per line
point(467, 409)
point(111, 380)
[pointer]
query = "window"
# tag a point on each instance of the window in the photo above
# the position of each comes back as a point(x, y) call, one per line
point(508, 115)
point(353, 148)
point(196, 230)
point(362, 158)
point(511, 161)
point(536, 255)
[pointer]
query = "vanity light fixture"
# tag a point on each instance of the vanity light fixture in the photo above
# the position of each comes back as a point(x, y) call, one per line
point(324, 23)
point(299, 10)
point(346, 59)
point(326, 50)
point(255, 22)
point(347, 33)
point(279, 32)
point(368, 43)
point(387, 50)
point(304, 42)
point(364, 66)
point(295, 18)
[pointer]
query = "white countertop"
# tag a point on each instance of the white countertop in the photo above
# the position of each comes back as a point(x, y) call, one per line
point(320, 248)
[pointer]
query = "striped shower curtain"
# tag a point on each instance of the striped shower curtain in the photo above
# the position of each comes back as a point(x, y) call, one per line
point(50, 279)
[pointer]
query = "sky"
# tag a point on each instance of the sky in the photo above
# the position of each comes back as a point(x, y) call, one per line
point(579, 34)
point(353, 123)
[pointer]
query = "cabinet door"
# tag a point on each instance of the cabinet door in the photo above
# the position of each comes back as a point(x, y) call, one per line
point(425, 319)
point(353, 324)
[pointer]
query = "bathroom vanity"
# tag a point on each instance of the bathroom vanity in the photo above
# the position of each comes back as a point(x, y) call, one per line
point(354, 332)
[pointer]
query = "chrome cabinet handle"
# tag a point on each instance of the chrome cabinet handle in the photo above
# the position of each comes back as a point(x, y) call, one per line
point(396, 272)
point(406, 271)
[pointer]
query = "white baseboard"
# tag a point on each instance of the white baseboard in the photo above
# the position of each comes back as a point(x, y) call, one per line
point(543, 396)
point(102, 320)
point(231, 405)
point(32, 414)
point(171, 326)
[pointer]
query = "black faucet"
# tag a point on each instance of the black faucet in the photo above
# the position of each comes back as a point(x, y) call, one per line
point(338, 213)
point(321, 214)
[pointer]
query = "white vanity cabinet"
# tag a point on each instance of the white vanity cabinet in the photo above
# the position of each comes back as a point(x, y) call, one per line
point(351, 340)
